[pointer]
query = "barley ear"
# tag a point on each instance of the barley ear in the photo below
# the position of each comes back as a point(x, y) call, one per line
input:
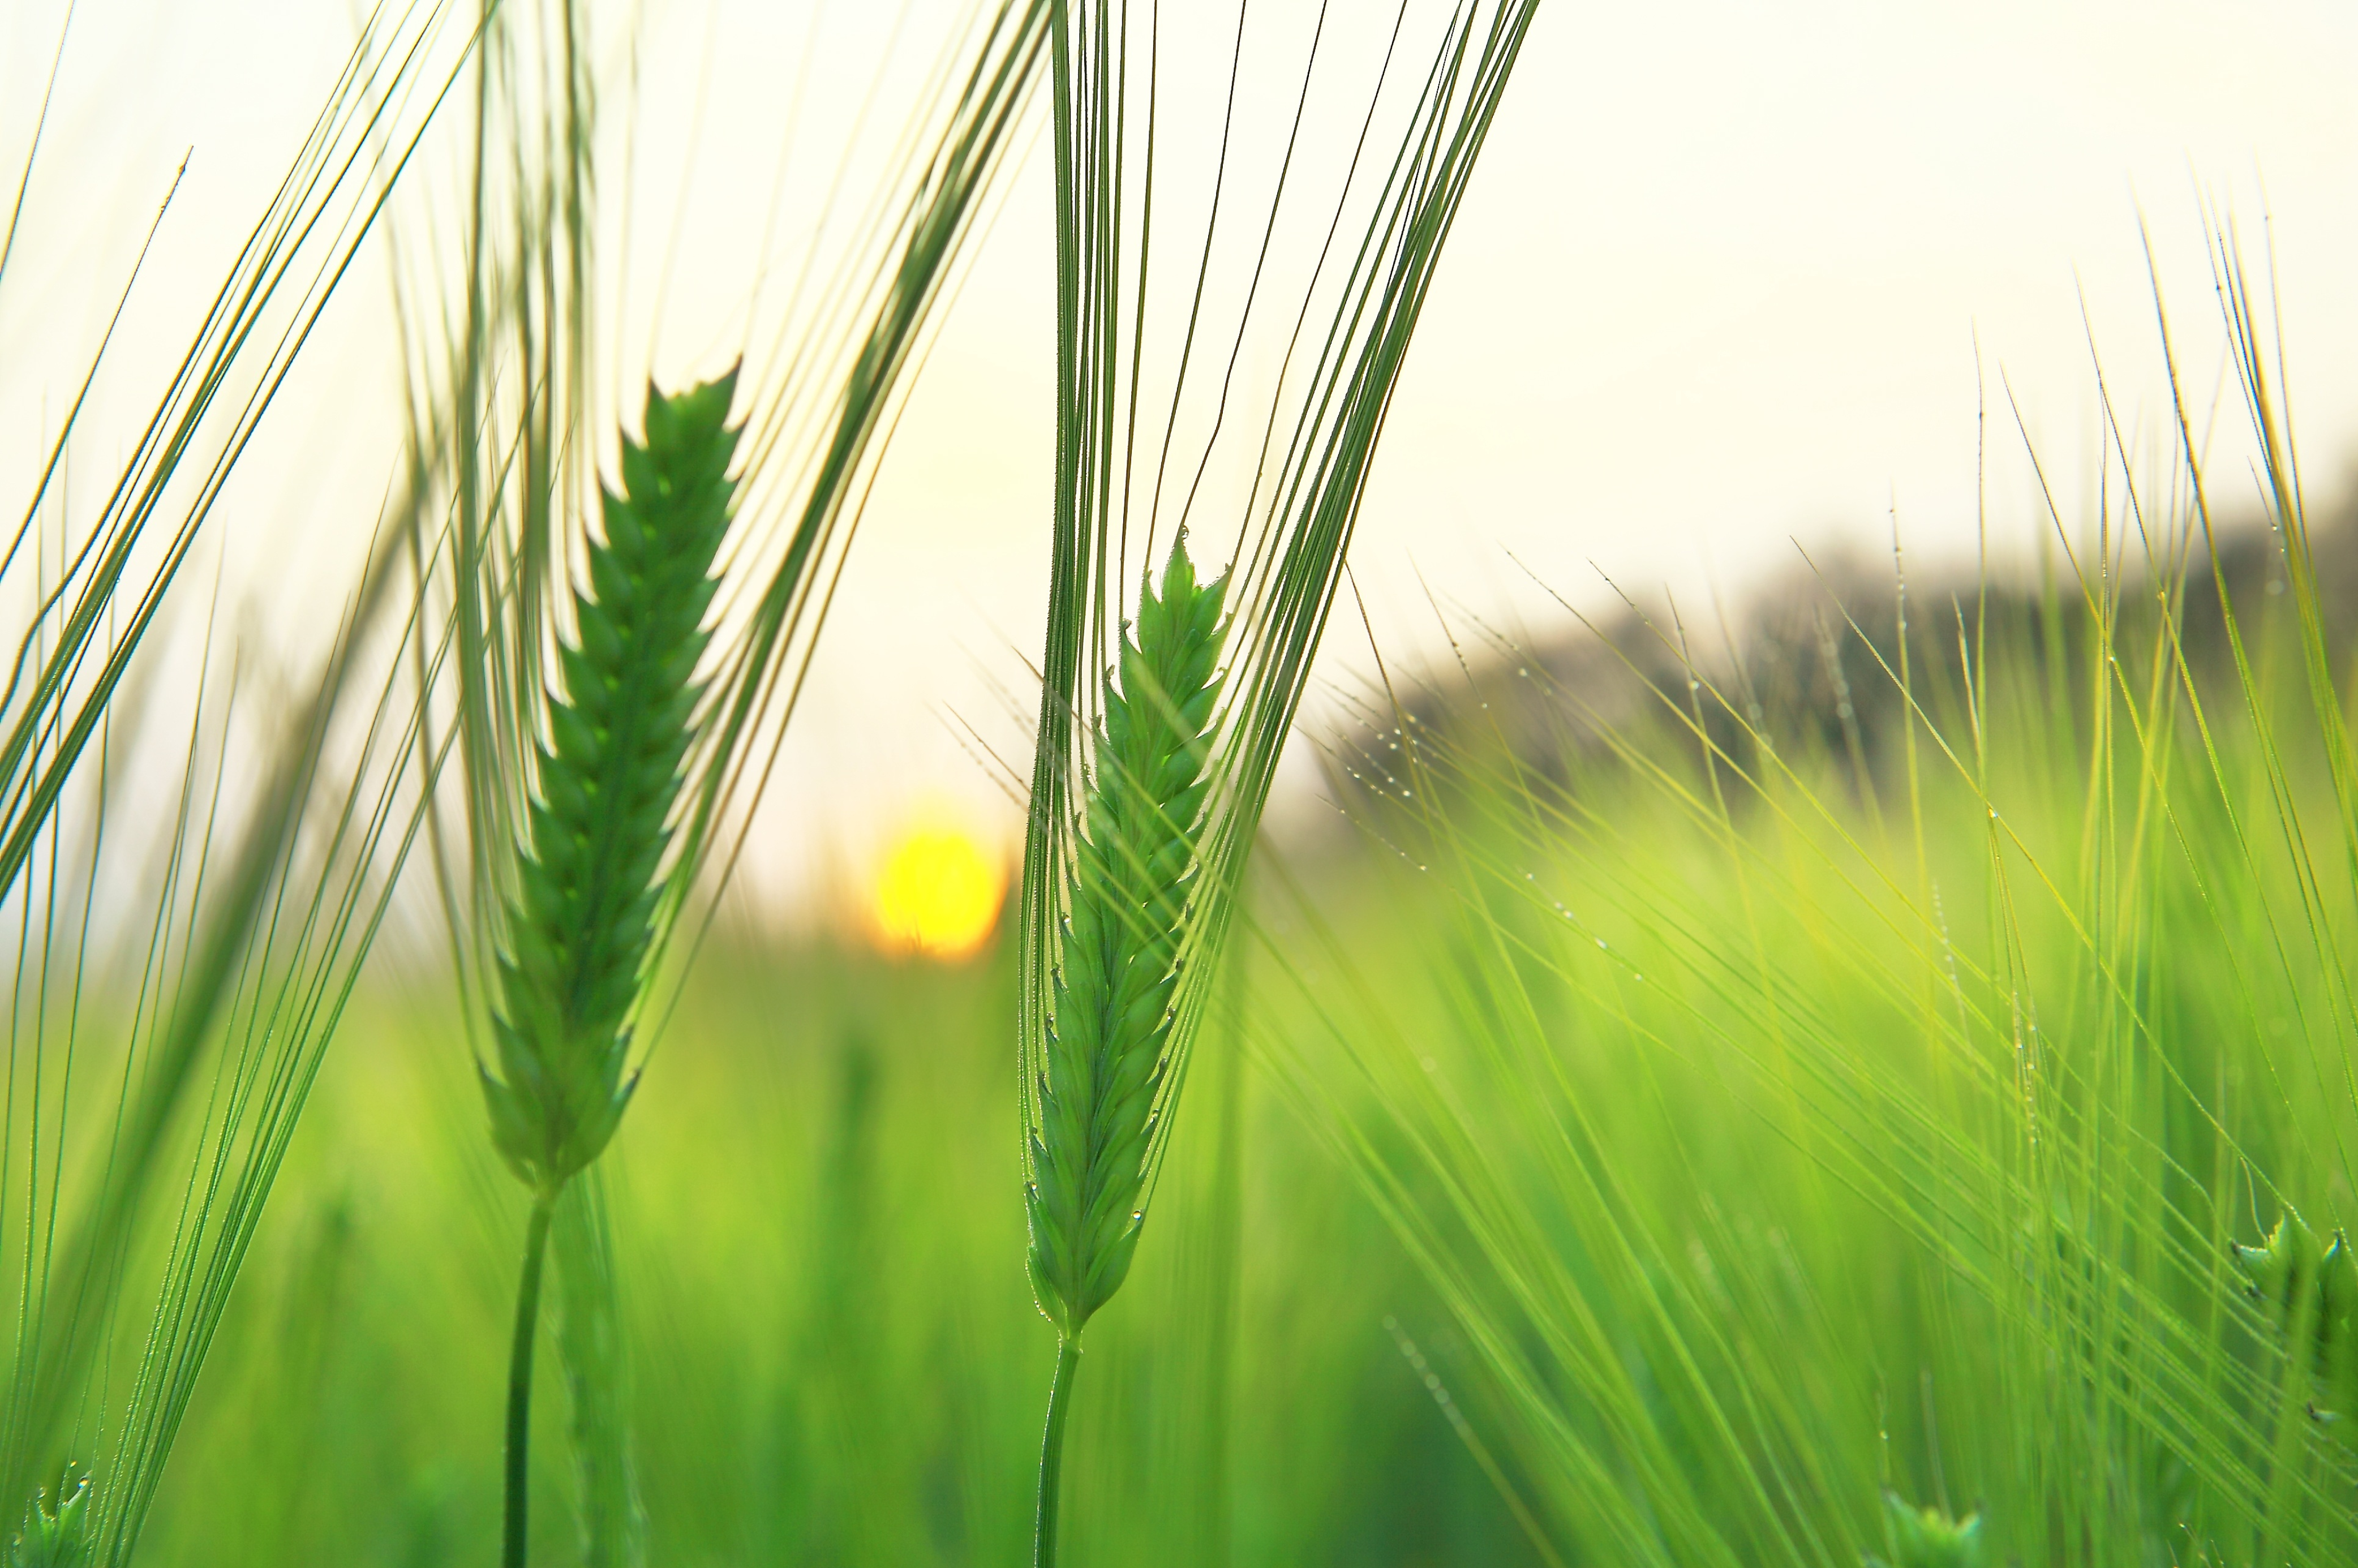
point(590, 880)
point(1103, 1060)
point(1929, 1537)
point(57, 1527)
point(2283, 1267)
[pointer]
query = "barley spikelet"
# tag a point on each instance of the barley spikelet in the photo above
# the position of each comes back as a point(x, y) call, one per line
point(2310, 1290)
point(56, 1532)
point(1929, 1538)
point(582, 915)
point(1104, 1057)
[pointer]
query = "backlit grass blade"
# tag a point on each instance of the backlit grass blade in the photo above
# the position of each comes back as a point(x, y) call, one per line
point(266, 936)
point(1838, 1138)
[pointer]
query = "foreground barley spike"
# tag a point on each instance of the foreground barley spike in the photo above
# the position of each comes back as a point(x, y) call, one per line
point(1120, 931)
point(515, 453)
point(591, 881)
point(582, 912)
point(1134, 864)
point(1105, 1056)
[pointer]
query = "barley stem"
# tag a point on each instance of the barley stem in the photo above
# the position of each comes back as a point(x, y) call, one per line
point(527, 1318)
point(1051, 1451)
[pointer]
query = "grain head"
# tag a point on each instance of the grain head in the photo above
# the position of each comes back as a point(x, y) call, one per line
point(56, 1532)
point(608, 770)
point(1929, 1537)
point(1105, 1058)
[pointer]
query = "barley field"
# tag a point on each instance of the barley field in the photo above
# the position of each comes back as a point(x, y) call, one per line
point(1854, 1069)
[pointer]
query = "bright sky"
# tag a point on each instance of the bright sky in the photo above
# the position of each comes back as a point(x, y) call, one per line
point(1718, 287)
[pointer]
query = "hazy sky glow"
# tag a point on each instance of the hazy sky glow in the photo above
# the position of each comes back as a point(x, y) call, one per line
point(1718, 285)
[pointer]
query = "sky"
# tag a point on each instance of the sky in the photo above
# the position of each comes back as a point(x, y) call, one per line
point(1731, 279)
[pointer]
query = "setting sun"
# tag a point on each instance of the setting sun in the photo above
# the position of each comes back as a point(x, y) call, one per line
point(938, 891)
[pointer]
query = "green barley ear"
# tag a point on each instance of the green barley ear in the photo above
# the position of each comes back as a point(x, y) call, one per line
point(1928, 1538)
point(2285, 1268)
point(2337, 1340)
point(56, 1534)
point(590, 884)
point(1105, 1058)
point(608, 772)
point(2312, 1290)
point(1131, 876)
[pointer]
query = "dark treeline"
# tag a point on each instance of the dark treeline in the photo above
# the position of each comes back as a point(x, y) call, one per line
point(1813, 666)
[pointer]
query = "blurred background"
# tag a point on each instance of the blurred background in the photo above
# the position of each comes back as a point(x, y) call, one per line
point(1732, 279)
point(1735, 286)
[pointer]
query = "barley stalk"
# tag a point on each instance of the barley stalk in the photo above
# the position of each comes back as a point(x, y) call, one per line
point(590, 880)
point(1109, 905)
point(1105, 1056)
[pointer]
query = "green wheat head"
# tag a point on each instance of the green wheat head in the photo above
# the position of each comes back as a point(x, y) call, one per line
point(1928, 1538)
point(2310, 1291)
point(590, 882)
point(1105, 1058)
point(57, 1527)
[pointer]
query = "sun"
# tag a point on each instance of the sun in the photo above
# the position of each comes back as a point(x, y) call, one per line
point(937, 890)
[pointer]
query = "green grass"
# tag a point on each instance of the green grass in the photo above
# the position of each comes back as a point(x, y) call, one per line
point(1902, 1113)
point(819, 1262)
point(1790, 1121)
point(1727, 1240)
point(173, 991)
